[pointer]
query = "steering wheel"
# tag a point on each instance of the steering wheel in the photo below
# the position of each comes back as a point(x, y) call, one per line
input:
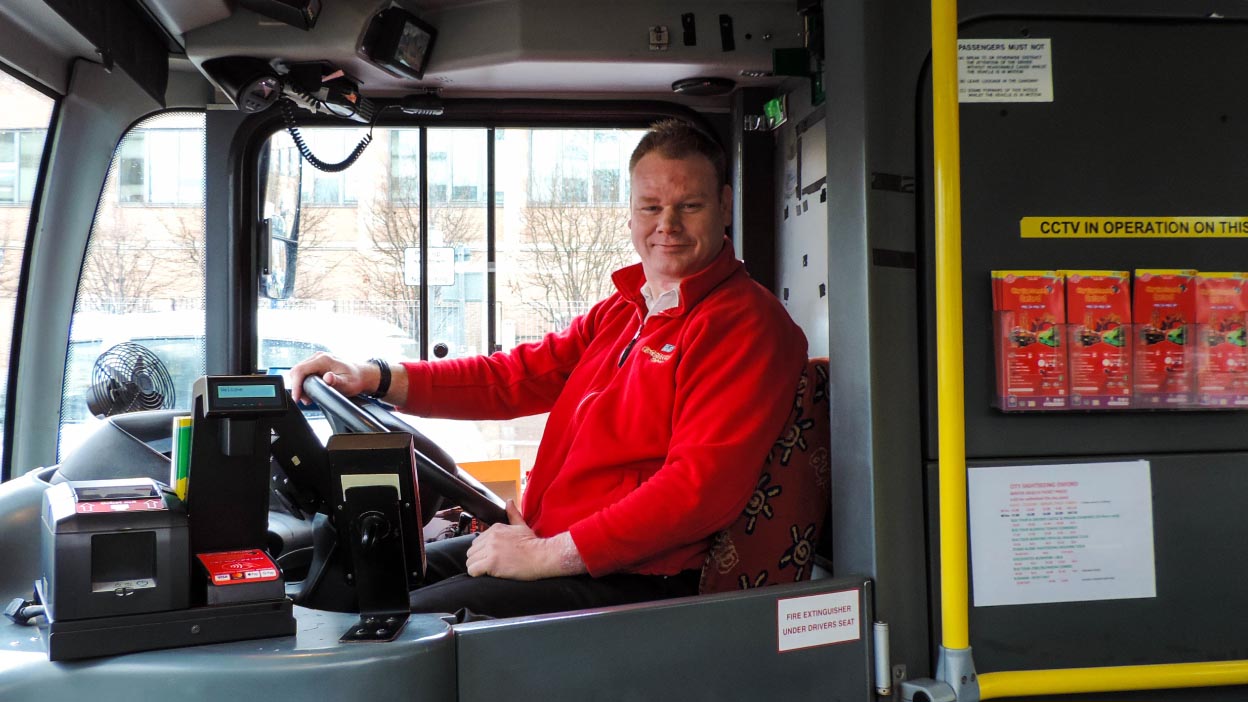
point(435, 469)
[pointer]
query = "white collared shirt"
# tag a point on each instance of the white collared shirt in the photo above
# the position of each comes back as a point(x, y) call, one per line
point(665, 300)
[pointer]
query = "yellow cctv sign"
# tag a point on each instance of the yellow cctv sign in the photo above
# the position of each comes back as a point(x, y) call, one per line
point(1133, 227)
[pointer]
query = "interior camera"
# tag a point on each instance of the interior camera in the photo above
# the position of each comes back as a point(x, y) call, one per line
point(250, 83)
point(399, 43)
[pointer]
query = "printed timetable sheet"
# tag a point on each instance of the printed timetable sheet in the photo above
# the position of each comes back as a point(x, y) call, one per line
point(1061, 533)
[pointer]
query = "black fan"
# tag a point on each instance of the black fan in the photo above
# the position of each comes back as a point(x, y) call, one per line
point(128, 378)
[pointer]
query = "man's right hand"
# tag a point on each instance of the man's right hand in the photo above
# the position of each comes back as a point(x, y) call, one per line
point(348, 378)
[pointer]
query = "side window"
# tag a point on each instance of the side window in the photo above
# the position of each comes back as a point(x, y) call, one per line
point(142, 280)
point(24, 125)
point(559, 234)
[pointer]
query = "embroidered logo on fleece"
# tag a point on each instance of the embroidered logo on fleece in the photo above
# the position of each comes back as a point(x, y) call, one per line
point(655, 356)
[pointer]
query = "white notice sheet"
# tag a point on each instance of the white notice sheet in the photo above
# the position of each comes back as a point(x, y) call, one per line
point(1061, 533)
point(1005, 70)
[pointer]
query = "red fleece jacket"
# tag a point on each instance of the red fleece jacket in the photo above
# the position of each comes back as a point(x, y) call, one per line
point(642, 461)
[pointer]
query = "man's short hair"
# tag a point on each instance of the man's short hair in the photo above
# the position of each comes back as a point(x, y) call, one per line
point(674, 138)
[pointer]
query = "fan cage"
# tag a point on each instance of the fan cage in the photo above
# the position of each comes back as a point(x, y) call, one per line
point(129, 378)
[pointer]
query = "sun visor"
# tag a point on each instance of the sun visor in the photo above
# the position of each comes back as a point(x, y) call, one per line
point(123, 36)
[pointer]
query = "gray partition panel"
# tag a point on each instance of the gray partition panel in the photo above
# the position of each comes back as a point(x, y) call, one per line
point(312, 665)
point(1149, 119)
point(715, 647)
point(1200, 528)
point(20, 501)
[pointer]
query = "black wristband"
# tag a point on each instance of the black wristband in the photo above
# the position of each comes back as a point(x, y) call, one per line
point(383, 386)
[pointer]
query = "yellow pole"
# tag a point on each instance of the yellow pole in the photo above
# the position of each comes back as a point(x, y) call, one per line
point(954, 595)
point(1020, 683)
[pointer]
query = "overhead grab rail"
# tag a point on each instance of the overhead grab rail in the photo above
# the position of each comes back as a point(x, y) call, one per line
point(956, 680)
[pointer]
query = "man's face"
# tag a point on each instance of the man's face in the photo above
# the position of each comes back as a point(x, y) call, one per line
point(678, 215)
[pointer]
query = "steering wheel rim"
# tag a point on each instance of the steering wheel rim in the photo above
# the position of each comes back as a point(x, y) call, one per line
point(435, 469)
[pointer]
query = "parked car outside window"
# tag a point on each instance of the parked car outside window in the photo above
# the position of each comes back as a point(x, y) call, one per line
point(177, 339)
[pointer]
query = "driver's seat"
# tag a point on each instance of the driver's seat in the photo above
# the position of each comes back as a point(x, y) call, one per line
point(775, 538)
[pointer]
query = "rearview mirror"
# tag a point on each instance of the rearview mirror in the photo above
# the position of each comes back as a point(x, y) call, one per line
point(277, 241)
point(277, 260)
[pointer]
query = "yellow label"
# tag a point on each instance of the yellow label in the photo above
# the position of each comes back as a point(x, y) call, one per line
point(1094, 274)
point(1024, 274)
point(1189, 272)
point(1133, 227)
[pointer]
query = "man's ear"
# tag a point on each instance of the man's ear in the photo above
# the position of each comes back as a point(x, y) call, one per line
point(725, 203)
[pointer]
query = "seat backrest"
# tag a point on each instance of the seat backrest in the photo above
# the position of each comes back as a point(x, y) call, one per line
point(774, 539)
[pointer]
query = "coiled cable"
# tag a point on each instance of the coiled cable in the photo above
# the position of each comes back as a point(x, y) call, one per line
point(288, 115)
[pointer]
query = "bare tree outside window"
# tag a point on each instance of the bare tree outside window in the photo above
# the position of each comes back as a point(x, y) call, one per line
point(124, 270)
point(393, 226)
point(12, 244)
point(569, 252)
point(317, 268)
point(186, 229)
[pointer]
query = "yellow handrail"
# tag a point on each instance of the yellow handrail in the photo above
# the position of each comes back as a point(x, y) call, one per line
point(954, 594)
point(954, 591)
point(1019, 683)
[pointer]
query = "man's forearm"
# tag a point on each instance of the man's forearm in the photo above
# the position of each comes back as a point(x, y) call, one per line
point(569, 560)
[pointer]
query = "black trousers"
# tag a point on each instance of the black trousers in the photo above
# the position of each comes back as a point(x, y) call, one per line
point(449, 588)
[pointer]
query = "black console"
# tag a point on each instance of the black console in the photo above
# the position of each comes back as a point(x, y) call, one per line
point(128, 566)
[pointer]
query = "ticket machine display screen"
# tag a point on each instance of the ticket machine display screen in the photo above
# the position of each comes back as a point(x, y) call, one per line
point(245, 394)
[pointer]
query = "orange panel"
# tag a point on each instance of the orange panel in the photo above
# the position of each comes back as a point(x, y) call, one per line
point(502, 476)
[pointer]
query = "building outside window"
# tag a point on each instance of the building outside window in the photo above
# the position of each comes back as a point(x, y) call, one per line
point(580, 167)
point(405, 166)
point(459, 180)
point(162, 166)
point(20, 151)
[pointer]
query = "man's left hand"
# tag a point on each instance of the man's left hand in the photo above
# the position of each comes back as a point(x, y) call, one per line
point(513, 551)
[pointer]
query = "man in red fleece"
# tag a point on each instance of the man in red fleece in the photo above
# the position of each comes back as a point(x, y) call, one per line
point(664, 400)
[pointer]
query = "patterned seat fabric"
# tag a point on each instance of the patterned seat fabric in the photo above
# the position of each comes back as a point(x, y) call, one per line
point(774, 539)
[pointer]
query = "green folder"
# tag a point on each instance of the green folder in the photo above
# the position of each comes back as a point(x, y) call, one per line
point(180, 456)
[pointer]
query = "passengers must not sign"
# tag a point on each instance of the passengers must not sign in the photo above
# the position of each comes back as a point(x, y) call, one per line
point(1133, 227)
